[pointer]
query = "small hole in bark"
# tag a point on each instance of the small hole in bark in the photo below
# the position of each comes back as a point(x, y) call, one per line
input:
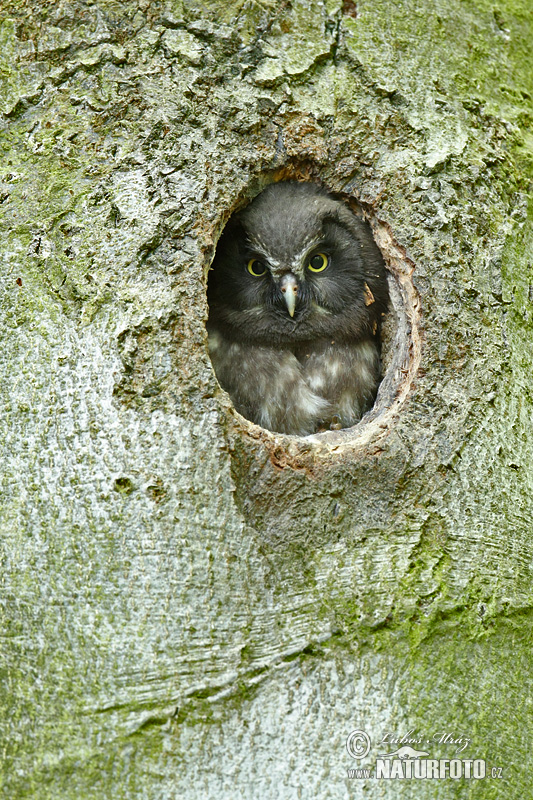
point(261, 338)
point(123, 485)
point(349, 8)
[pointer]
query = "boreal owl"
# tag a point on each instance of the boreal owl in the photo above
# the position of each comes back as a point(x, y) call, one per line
point(296, 296)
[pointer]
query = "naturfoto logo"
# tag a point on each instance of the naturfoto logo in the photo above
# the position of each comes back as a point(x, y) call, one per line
point(408, 761)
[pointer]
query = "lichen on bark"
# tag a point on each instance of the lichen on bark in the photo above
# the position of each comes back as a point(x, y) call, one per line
point(190, 606)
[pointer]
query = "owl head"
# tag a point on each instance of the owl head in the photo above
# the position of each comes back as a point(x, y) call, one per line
point(297, 265)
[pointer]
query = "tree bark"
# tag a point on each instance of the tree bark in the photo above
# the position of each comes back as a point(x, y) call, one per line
point(193, 607)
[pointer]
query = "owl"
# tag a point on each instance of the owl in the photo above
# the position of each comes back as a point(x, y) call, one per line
point(296, 295)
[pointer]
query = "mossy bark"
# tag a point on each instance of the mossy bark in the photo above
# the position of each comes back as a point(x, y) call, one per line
point(191, 607)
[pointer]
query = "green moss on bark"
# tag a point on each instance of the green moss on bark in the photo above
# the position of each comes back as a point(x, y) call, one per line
point(188, 609)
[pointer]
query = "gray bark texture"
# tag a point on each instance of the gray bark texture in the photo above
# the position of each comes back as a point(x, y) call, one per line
point(193, 607)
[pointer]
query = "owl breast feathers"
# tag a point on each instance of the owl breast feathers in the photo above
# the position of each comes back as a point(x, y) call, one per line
point(296, 296)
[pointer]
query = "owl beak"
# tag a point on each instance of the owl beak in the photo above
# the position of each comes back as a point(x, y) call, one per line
point(289, 288)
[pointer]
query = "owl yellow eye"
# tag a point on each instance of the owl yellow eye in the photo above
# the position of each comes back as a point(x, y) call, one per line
point(318, 262)
point(256, 268)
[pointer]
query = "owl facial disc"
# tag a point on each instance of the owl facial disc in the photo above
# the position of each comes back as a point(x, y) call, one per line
point(289, 288)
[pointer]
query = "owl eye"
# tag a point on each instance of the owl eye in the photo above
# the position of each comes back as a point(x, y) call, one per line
point(256, 268)
point(318, 262)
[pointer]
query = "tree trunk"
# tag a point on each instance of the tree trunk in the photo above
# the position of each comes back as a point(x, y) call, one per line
point(193, 607)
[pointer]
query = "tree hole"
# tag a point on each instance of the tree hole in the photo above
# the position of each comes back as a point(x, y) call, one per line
point(313, 319)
